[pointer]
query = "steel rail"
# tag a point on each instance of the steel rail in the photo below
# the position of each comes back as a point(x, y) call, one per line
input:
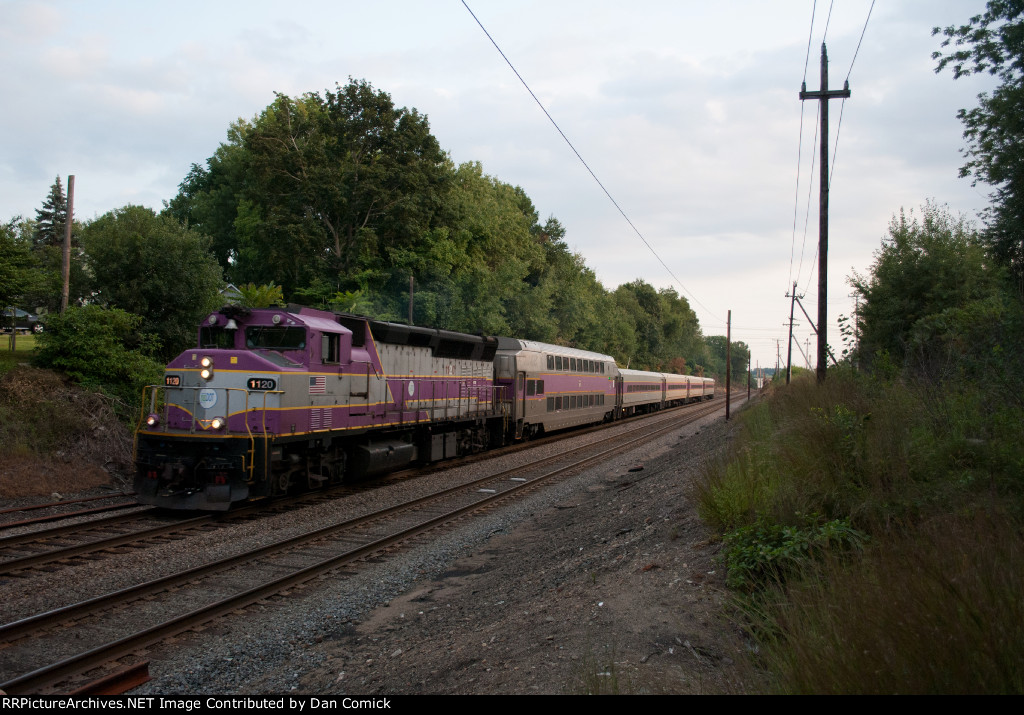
point(55, 673)
point(47, 619)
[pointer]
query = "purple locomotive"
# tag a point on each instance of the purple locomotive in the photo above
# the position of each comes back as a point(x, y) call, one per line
point(273, 401)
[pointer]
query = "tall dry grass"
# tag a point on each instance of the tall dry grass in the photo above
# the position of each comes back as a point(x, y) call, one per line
point(935, 610)
point(874, 529)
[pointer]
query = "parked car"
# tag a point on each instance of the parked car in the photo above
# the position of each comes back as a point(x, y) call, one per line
point(21, 320)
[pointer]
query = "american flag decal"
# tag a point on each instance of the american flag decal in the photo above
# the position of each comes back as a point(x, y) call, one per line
point(318, 385)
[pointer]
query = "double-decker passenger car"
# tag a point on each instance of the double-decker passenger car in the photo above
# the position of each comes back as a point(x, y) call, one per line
point(553, 387)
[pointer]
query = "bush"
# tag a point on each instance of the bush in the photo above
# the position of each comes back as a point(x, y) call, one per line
point(768, 553)
point(101, 348)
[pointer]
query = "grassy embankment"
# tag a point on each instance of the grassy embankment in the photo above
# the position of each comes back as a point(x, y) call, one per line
point(54, 436)
point(872, 532)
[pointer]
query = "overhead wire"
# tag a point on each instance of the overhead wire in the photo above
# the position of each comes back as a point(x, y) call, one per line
point(587, 166)
point(835, 151)
point(799, 154)
point(814, 158)
point(846, 81)
point(839, 126)
point(807, 213)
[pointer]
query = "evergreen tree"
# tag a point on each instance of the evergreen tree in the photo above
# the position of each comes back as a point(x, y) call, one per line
point(47, 241)
point(51, 218)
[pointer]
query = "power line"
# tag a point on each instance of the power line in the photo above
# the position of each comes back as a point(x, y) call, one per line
point(828, 19)
point(807, 213)
point(839, 128)
point(799, 157)
point(810, 36)
point(865, 29)
point(587, 166)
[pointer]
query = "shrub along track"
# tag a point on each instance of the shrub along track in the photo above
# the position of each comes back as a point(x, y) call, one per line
point(171, 603)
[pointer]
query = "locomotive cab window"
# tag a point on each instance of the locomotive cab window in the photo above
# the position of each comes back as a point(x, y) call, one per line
point(330, 348)
point(216, 337)
point(275, 338)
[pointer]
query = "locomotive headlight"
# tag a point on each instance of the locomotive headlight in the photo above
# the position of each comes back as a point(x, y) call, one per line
point(206, 361)
point(152, 420)
point(217, 423)
point(207, 372)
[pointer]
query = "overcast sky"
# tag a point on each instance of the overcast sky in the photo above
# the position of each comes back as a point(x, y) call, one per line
point(688, 113)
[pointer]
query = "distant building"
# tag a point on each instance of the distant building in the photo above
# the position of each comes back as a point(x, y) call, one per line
point(231, 293)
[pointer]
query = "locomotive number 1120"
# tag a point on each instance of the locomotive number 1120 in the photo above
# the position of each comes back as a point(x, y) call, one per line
point(261, 383)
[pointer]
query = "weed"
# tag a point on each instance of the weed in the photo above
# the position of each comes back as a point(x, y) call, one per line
point(601, 675)
point(766, 552)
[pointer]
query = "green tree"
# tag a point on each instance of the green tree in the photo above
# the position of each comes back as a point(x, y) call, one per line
point(156, 268)
point(478, 269)
point(993, 43)
point(664, 327)
point(264, 296)
point(318, 188)
point(341, 198)
point(17, 267)
point(925, 266)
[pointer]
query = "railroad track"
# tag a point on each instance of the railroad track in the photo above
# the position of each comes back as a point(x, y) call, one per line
point(9, 518)
point(69, 545)
point(67, 642)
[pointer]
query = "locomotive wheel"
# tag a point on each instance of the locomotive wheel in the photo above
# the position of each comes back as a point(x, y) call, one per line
point(283, 483)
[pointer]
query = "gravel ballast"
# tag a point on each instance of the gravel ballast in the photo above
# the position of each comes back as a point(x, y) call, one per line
point(605, 582)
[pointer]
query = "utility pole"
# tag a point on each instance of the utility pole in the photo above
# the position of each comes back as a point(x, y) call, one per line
point(66, 289)
point(823, 96)
point(728, 362)
point(789, 349)
point(748, 376)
